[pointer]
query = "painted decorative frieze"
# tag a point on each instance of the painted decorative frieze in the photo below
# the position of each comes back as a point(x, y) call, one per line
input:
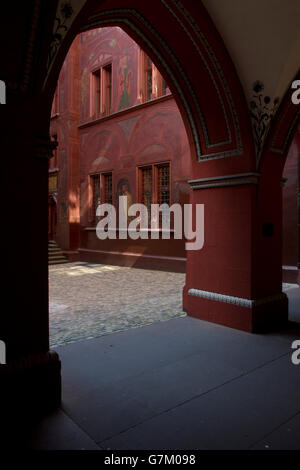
point(61, 26)
point(262, 111)
point(66, 12)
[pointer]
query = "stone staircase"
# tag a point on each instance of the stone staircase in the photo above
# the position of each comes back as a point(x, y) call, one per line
point(55, 255)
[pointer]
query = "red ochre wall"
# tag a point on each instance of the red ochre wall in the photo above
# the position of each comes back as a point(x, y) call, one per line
point(133, 134)
point(290, 216)
point(65, 126)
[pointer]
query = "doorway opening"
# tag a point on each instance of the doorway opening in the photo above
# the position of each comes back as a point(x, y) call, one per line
point(118, 132)
point(291, 222)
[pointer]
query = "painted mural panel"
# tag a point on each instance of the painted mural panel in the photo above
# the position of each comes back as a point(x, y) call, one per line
point(133, 135)
point(124, 74)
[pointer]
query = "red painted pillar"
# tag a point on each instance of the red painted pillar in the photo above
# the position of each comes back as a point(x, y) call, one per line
point(64, 125)
point(224, 283)
point(30, 380)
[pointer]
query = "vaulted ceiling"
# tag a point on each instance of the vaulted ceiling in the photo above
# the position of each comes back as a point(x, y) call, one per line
point(263, 39)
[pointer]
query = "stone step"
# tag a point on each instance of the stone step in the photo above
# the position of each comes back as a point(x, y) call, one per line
point(52, 262)
point(55, 255)
point(57, 261)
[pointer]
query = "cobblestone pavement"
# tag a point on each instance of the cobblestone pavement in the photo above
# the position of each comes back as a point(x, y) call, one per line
point(89, 300)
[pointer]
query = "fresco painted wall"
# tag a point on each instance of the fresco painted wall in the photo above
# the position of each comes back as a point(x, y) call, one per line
point(64, 124)
point(134, 134)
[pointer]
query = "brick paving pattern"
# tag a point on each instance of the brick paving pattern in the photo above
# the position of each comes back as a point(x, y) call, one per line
point(90, 300)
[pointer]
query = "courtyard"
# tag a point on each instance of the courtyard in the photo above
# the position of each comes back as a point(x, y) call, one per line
point(90, 300)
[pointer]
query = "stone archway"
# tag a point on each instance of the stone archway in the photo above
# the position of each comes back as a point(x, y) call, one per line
point(269, 201)
point(229, 281)
point(213, 108)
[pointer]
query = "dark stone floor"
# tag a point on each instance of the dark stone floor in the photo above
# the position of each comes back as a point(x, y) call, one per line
point(179, 384)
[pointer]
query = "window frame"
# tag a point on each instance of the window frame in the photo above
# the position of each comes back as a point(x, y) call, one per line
point(106, 90)
point(54, 160)
point(93, 219)
point(92, 211)
point(53, 176)
point(157, 79)
point(103, 196)
point(155, 183)
point(100, 100)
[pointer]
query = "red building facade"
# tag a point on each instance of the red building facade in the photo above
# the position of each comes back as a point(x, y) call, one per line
point(117, 126)
point(119, 131)
point(211, 58)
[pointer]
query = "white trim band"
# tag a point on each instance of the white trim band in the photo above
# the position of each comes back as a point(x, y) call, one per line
point(239, 301)
point(226, 180)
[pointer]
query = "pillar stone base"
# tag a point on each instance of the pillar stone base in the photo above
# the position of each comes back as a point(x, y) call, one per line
point(30, 388)
point(255, 316)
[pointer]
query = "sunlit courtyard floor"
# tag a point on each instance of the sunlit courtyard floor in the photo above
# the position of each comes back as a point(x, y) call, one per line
point(90, 300)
